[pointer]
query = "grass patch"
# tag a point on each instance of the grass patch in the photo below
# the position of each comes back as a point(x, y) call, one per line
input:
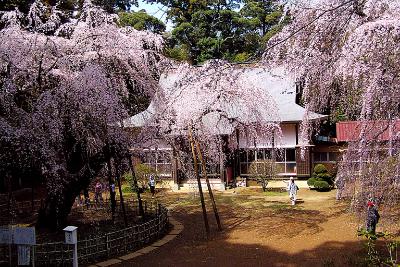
point(188, 201)
point(275, 193)
point(126, 189)
point(226, 200)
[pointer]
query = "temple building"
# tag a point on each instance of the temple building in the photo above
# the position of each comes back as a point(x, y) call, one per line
point(290, 155)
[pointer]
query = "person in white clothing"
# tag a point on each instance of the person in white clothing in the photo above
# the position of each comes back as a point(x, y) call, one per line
point(152, 184)
point(292, 188)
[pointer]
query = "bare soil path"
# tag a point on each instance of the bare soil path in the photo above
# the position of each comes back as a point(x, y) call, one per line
point(260, 229)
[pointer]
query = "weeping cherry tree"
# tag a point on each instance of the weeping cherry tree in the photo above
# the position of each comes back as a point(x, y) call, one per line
point(346, 54)
point(64, 89)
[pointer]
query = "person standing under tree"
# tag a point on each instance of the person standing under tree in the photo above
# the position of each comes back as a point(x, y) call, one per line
point(372, 217)
point(292, 188)
point(152, 184)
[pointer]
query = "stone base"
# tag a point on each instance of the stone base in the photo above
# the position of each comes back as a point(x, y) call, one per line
point(219, 186)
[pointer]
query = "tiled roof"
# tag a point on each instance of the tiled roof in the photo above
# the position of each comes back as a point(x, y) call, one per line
point(382, 130)
point(278, 85)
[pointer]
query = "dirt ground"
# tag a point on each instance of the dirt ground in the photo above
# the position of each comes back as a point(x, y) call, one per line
point(260, 229)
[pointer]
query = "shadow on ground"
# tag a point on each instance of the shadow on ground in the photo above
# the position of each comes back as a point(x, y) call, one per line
point(192, 249)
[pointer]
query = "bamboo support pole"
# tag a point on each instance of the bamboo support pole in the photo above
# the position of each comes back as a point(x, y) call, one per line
point(203, 165)
point(203, 205)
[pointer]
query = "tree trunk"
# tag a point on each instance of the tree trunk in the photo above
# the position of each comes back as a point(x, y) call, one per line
point(10, 202)
point(59, 202)
point(32, 196)
point(135, 184)
point(61, 196)
point(121, 197)
point(111, 186)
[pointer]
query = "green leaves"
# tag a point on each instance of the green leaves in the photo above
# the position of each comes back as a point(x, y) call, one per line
point(321, 178)
point(210, 29)
point(141, 21)
point(376, 257)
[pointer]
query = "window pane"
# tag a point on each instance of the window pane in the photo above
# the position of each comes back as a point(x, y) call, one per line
point(268, 154)
point(269, 171)
point(320, 156)
point(261, 168)
point(162, 157)
point(145, 157)
point(251, 155)
point(243, 168)
point(243, 155)
point(260, 154)
point(168, 168)
point(333, 156)
point(280, 155)
point(290, 154)
point(150, 157)
point(164, 168)
point(290, 167)
point(280, 167)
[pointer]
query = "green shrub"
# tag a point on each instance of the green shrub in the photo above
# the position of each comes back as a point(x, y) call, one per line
point(375, 256)
point(326, 177)
point(320, 168)
point(322, 174)
point(311, 181)
point(142, 172)
point(322, 186)
point(241, 57)
point(127, 189)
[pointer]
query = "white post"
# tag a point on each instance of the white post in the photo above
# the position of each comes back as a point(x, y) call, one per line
point(33, 256)
point(71, 238)
point(75, 257)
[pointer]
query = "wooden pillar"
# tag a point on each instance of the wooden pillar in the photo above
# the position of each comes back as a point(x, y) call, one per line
point(273, 156)
point(221, 165)
point(236, 167)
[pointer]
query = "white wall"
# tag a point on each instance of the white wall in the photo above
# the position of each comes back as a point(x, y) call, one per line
point(288, 139)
